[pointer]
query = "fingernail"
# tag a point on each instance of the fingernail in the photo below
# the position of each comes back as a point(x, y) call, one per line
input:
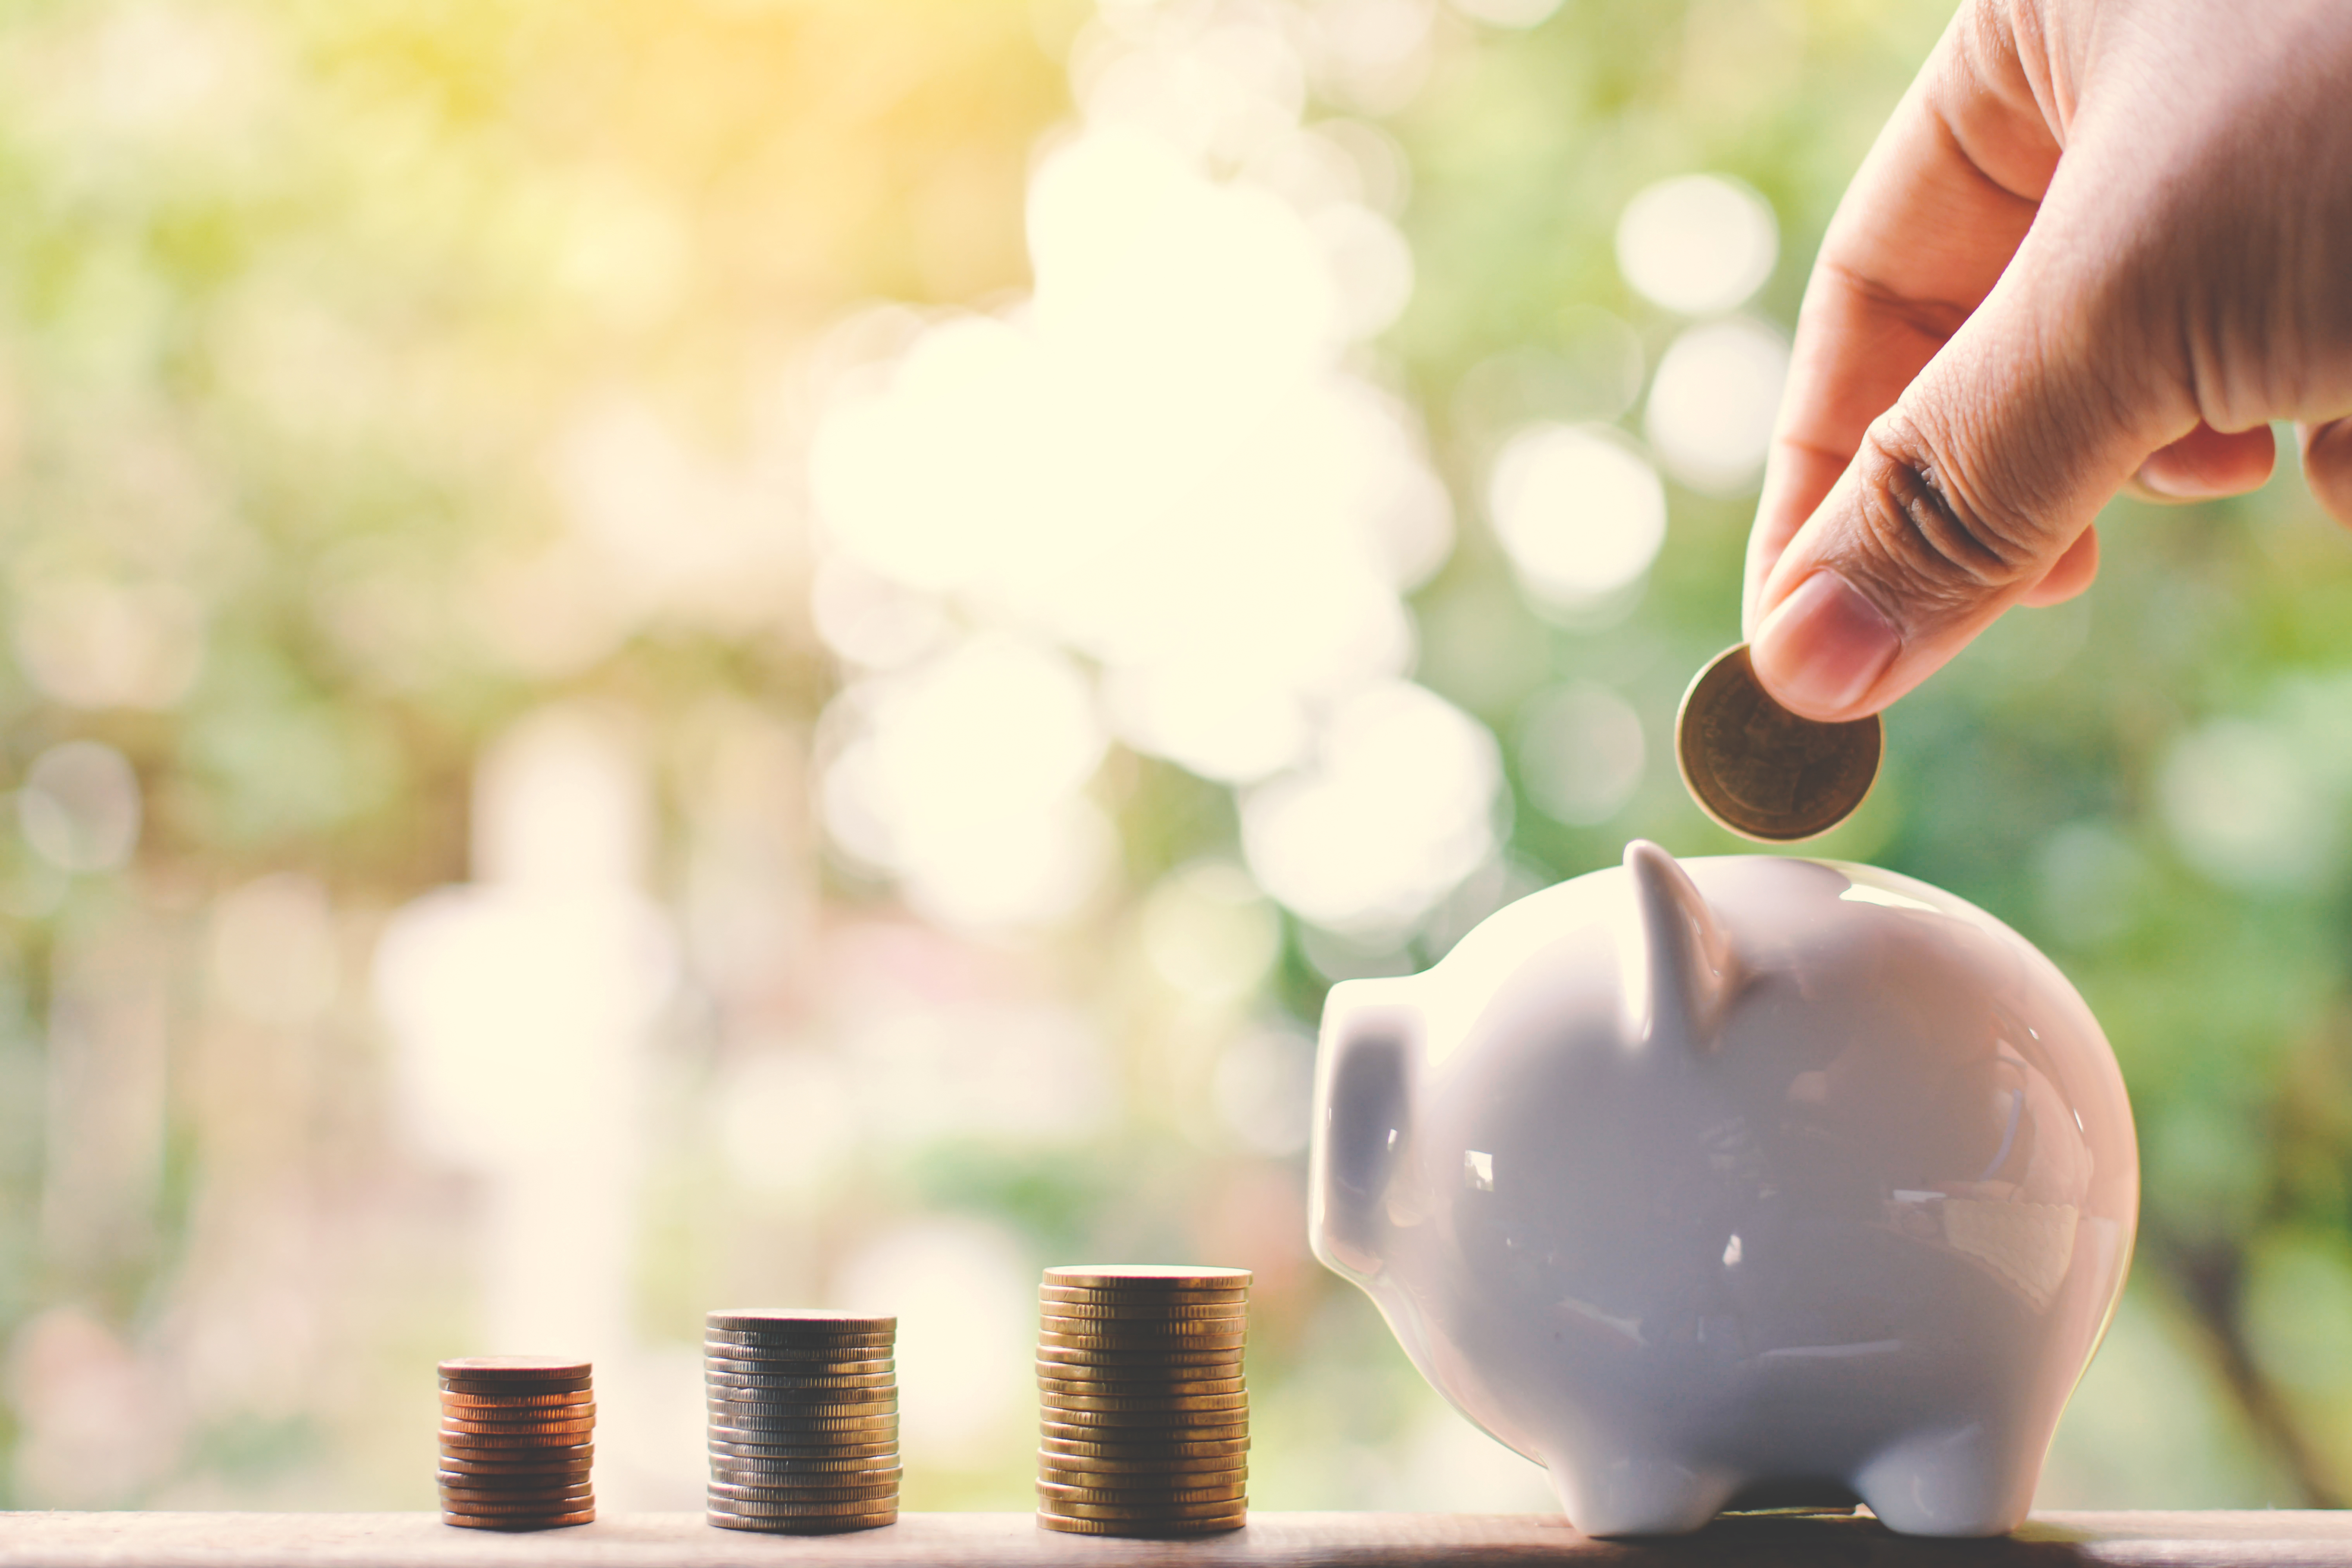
point(1824, 647)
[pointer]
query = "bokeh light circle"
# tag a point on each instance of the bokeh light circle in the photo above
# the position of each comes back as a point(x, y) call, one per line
point(1697, 243)
point(1580, 514)
point(1397, 809)
point(1713, 401)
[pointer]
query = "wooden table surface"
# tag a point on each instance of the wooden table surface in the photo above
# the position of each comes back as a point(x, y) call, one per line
point(1013, 1541)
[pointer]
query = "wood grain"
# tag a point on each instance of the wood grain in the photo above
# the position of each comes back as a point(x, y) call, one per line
point(2275, 1539)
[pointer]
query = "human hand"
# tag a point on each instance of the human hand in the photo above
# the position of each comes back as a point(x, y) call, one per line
point(2100, 243)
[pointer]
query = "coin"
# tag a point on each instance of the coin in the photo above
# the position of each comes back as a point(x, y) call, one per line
point(511, 1486)
point(1117, 1276)
point(796, 1320)
point(1135, 1442)
point(525, 1426)
point(493, 1388)
point(1138, 1388)
point(1761, 771)
point(468, 1447)
point(1142, 1513)
point(875, 1375)
point(1130, 1426)
point(726, 1518)
point(805, 1433)
point(816, 1448)
point(820, 1428)
point(517, 1442)
point(559, 1400)
point(1083, 1470)
point(794, 1357)
point(1178, 1448)
point(1053, 1339)
point(808, 1494)
point(1146, 1291)
point(1141, 1497)
point(487, 1500)
point(793, 1384)
point(578, 1455)
point(532, 1508)
point(1145, 1314)
point(796, 1360)
point(835, 1391)
point(514, 1368)
point(881, 1405)
point(772, 1508)
point(757, 1473)
point(1109, 1527)
point(736, 1367)
point(496, 1521)
point(1132, 1363)
point(1054, 1399)
point(1144, 1330)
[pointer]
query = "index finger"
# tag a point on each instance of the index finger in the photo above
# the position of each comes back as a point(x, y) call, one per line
point(1931, 219)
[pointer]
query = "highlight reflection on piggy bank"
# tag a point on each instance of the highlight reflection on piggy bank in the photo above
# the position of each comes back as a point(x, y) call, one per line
point(1741, 1181)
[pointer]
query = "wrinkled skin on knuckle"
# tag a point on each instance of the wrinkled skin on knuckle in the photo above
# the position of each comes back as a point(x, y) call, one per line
point(1936, 542)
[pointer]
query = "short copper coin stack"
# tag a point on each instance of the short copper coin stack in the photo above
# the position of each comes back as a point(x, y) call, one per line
point(517, 1435)
point(1144, 1423)
point(803, 1411)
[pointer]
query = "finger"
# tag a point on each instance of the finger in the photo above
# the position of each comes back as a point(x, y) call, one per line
point(1922, 235)
point(2327, 466)
point(1978, 482)
point(2070, 576)
point(2206, 463)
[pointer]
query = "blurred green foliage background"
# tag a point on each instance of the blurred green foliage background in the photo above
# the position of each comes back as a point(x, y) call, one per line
point(321, 327)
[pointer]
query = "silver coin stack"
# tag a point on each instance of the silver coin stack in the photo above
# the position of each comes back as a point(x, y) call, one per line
point(803, 1409)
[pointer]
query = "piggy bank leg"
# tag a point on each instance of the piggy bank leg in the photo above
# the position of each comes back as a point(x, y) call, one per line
point(1971, 1481)
point(1628, 1492)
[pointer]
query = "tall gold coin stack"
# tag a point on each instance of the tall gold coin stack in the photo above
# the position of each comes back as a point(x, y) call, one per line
point(517, 1435)
point(803, 1420)
point(1144, 1413)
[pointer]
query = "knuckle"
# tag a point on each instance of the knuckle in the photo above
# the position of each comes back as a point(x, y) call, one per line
point(1939, 538)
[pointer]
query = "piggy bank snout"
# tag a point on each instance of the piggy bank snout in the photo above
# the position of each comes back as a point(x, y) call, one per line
point(1363, 1101)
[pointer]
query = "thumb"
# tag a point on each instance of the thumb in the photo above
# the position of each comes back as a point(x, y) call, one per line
point(1963, 496)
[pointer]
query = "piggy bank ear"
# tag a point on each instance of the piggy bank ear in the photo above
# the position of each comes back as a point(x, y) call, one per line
point(1363, 1098)
point(1680, 968)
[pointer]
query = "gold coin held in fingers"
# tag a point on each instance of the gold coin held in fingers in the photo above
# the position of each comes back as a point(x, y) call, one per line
point(1765, 772)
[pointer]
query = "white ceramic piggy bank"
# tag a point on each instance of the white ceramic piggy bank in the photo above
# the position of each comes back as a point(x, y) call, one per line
point(1737, 1181)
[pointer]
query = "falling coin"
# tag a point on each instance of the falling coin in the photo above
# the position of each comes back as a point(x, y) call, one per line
point(1761, 771)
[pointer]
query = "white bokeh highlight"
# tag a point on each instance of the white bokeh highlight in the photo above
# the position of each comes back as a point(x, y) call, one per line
point(1580, 514)
point(965, 778)
point(1399, 806)
point(1697, 244)
point(1713, 401)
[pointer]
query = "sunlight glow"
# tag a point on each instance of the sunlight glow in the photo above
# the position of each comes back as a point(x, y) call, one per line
point(1162, 441)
